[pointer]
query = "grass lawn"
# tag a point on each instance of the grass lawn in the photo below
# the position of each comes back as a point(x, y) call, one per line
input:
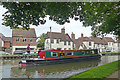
point(10, 55)
point(99, 72)
point(15, 55)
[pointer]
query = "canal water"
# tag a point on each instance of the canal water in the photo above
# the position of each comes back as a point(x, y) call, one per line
point(11, 68)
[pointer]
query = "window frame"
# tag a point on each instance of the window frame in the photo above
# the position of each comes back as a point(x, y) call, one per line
point(31, 41)
point(52, 40)
point(67, 37)
point(57, 41)
point(64, 42)
point(17, 40)
point(90, 44)
point(24, 40)
point(69, 52)
point(52, 53)
point(68, 42)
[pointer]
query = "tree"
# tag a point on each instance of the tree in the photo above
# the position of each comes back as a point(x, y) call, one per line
point(103, 17)
point(41, 42)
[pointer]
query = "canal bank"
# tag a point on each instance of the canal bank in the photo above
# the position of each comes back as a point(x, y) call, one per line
point(102, 72)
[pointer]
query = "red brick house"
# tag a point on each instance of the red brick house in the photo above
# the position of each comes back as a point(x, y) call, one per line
point(21, 38)
point(5, 41)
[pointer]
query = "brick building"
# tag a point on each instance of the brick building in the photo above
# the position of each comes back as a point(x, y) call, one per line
point(21, 38)
point(5, 41)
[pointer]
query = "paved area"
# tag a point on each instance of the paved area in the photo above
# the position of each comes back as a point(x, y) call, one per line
point(2, 52)
point(115, 75)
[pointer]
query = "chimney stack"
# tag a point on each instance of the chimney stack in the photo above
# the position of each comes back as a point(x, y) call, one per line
point(63, 30)
point(73, 35)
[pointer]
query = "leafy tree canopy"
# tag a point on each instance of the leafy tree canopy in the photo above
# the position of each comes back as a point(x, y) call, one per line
point(41, 41)
point(103, 17)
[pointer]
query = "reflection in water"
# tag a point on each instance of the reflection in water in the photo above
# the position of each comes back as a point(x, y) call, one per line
point(57, 70)
point(51, 71)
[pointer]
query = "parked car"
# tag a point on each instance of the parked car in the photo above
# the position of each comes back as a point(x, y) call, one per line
point(31, 52)
point(6, 53)
point(18, 52)
point(106, 51)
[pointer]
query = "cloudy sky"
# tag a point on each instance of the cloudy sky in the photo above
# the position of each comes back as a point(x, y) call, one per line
point(74, 26)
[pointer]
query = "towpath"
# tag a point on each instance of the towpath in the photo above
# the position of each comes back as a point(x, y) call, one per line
point(115, 75)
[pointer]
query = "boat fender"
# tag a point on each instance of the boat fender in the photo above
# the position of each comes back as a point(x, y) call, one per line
point(100, 54)
point(43, 57)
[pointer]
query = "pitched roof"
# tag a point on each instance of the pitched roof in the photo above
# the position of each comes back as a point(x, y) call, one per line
point(7, 39)
point(78, 42)
point(1, 35)
point(24, 33)
point(56, 35)
point(118, 41)
point(84, 39)
point(98, 40)
point(108, 39)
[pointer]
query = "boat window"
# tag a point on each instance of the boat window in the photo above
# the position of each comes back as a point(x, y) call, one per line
point(92, 52)
point(83, 52)
point(69, 53)
point(54, 54)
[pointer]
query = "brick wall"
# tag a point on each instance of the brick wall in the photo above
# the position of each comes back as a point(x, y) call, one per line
point(7, 44)
point(21, 43)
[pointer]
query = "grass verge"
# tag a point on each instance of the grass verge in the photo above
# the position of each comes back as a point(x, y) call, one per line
point(98, 72)
point(10, 55)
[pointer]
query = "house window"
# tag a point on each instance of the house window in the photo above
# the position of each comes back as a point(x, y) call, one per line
point(17, 40)
point(58, 48)
point(89, 43)
point(68, 42)
point(118, 44)
point(30, 40)
point(64, 42)
point(54, 54)
point(66, 37)
point(24, 40)
point(57, 41)
point(52, 41)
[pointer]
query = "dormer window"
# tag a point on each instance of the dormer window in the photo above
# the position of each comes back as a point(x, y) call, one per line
point(66, 37)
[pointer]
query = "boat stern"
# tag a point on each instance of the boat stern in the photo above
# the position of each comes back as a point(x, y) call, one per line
point(23, 62)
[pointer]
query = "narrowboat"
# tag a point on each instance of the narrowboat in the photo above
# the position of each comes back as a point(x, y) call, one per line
point(61, 56)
